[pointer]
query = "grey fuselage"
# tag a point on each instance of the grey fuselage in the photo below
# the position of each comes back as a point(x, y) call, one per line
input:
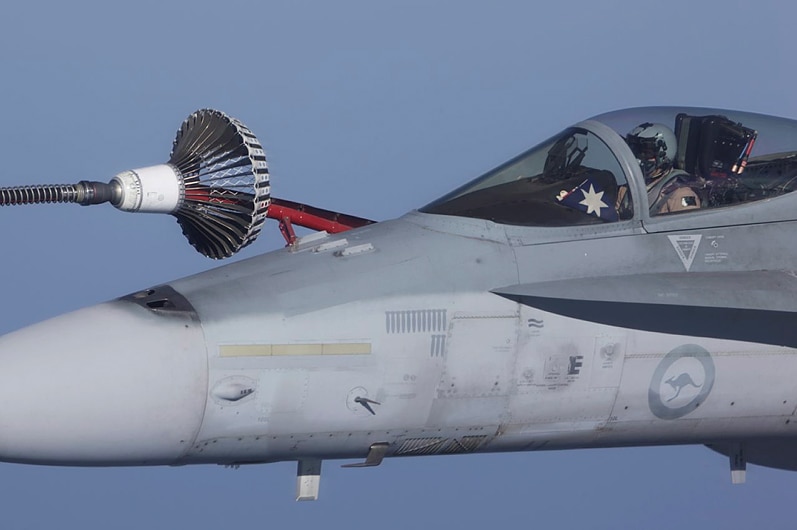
point(262, 360)
point(443, 333)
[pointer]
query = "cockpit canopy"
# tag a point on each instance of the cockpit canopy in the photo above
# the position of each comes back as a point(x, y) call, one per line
point(590, 173)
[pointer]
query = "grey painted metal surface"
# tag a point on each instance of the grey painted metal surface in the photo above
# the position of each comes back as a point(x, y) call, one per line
point(446, 332)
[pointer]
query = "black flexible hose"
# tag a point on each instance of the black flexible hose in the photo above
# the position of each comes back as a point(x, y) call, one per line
point(38, 194)
point(84, 192)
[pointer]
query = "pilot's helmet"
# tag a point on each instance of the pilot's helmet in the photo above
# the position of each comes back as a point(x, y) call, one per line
point(654, 146)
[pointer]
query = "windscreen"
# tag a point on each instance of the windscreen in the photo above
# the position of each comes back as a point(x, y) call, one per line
point(570, 179)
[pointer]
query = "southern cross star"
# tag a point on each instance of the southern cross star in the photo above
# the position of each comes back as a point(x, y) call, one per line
point(592, 201)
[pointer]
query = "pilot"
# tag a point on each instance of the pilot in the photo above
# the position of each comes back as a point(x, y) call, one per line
point(654, 146)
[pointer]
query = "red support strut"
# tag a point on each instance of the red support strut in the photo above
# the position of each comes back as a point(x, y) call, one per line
point(287, 230)
point(290, 213)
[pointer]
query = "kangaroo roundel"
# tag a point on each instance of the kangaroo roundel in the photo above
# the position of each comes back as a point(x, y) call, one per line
point(681, 382)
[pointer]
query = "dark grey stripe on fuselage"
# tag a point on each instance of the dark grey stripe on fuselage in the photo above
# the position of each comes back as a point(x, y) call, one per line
point(750, 325)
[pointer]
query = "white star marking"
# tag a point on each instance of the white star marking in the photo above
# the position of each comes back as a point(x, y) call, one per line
point(593, 201)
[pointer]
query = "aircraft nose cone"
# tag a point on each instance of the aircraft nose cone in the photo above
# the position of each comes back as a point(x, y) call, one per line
point(117, 383)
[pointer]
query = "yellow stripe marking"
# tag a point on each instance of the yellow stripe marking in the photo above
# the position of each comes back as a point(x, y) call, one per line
point(315, 348)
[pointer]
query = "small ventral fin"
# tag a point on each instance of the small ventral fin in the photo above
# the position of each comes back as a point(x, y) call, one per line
point(376, 453)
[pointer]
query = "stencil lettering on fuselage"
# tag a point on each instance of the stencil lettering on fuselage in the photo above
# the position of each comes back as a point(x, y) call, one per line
point(535, 326)
point(607, 361)
point(686, 248)
point(563, 368)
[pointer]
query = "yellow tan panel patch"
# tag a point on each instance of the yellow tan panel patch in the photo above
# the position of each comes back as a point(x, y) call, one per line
point(245, 350)
point(343, 348)
point(314, 348)
point(297, 349)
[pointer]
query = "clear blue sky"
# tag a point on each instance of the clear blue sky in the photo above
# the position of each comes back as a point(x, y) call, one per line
point(372, 108)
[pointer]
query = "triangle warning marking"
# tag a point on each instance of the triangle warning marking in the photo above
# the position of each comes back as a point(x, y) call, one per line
point(686, 248)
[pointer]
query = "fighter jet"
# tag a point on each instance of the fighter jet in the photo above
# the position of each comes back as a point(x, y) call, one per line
point(630, 281)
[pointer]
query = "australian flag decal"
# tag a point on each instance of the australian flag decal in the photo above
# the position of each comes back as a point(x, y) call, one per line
point(590, 197)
